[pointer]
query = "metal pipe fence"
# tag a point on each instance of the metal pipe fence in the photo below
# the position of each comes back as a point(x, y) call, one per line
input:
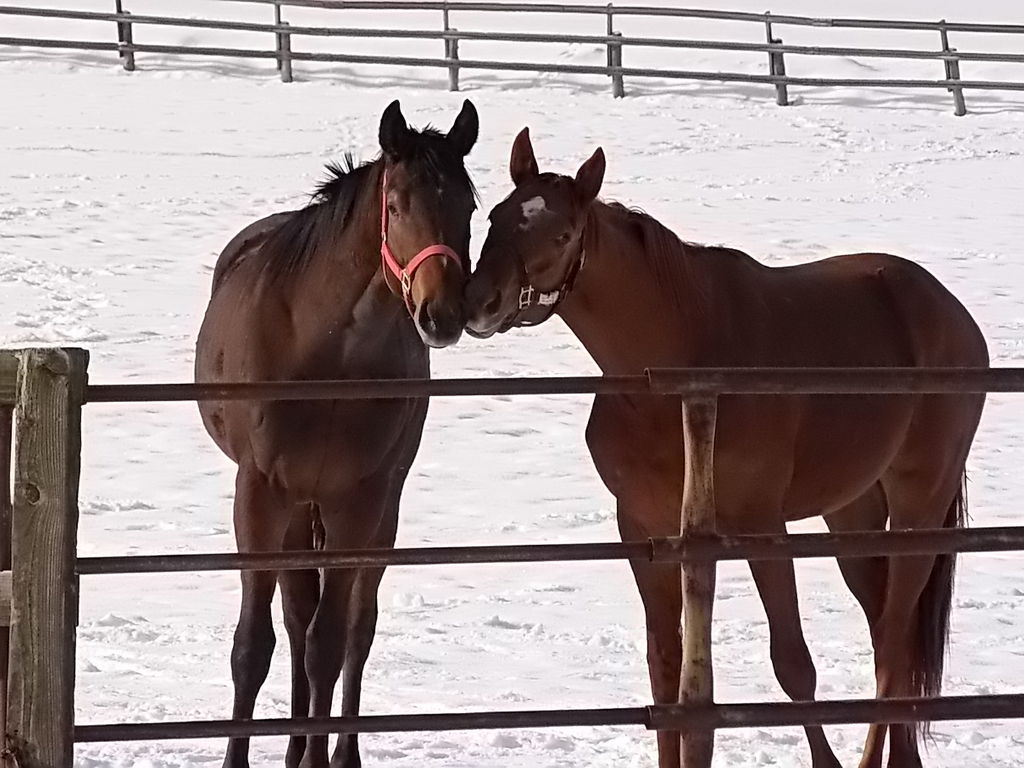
point(679, 717)
point(615, 42)
point(49, 389)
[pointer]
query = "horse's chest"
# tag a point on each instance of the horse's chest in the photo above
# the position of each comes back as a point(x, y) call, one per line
point(322, 449)
point(636, 445)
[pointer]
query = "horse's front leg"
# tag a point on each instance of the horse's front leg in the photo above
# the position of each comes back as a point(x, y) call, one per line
point(794, 668)
point(355, 524)
point(300, 593)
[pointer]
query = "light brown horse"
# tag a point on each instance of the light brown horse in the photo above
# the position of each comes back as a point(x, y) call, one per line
point(356, 285)
point(636, 296)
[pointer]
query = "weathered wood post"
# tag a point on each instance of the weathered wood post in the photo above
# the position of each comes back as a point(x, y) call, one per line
point(776, 63)
point(696, 684)
point(124, 38)
point(8, 392)
point(44, 609)
point(952, 72)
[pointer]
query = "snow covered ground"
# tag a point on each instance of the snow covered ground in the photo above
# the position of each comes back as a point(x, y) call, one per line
point(119, 190)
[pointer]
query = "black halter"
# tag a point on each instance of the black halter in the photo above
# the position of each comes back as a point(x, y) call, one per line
point(529, 296)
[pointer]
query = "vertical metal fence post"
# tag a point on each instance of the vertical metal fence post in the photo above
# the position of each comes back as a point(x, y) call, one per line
point(952, 72)
point(613, 53)
point(451, 52)
point(277, 35)
point(696, 684)
point(44, 604)
point(124, 38)
point(776, 63)
point(284, 48)
point(618, 86)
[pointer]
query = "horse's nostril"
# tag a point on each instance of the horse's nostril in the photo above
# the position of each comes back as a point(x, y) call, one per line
point(439, 317)
point(494, 304)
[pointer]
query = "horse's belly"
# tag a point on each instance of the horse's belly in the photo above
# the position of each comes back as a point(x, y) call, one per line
point(770, 458)
point(810, 456)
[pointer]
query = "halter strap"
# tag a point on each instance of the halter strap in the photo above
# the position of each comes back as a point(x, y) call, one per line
point(389, 263)
point(529, 296)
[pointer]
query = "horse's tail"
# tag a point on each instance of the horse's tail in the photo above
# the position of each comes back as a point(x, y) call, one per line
point(933, 609)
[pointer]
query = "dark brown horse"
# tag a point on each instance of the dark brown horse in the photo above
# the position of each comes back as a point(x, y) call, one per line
point(356, 285)
point(637, 296)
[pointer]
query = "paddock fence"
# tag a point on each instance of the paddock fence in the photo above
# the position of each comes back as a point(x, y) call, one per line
point(286, 37)
point(45, 390)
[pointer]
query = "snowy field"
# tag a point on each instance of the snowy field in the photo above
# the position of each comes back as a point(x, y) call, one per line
point(118, 191)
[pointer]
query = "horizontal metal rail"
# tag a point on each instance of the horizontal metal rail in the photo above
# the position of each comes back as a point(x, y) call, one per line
point(679, 717)
point(672, 549)
point(518, 66)
point(674, 381)
point(516, 37)
point(641, 10)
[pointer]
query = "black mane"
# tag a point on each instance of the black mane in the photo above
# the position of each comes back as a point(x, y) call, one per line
point(332, 206)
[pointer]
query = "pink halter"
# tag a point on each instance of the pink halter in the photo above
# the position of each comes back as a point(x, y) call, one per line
point(390, 264)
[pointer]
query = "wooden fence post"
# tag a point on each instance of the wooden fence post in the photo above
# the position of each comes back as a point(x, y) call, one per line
point(44, 611)
point(284, 54)
point(8, 393)
point(124, 37)
point(952, 73)
point(696, 684)
point(776, 64)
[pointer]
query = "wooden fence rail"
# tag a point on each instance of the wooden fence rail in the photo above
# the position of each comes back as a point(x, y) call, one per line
point(613, 41)
point(48, 389)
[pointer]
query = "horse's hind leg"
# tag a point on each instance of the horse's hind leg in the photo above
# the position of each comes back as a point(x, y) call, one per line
point(260, 525)
point(300, 591)
point(867, 577)
point(911, 634)
point(794, 668)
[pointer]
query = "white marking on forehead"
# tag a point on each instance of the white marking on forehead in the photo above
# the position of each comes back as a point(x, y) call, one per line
point(531, 209)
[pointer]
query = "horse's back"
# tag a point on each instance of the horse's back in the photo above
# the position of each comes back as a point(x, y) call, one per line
point(867, 309)
point(245, 243)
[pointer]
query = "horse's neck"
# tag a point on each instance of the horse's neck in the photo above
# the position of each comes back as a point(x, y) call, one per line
point(342, 292)
point(618, 311)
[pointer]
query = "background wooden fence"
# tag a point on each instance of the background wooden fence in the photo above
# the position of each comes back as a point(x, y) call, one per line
point(47, 389)
point(285, 50)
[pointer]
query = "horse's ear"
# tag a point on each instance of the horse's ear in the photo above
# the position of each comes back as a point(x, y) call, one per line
point(465, 129)
point(393, 130)
point(523, 163)
point(589, 177)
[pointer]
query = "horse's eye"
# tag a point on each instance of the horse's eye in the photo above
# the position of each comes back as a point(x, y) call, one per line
point(563, 239)
point(392, 209)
